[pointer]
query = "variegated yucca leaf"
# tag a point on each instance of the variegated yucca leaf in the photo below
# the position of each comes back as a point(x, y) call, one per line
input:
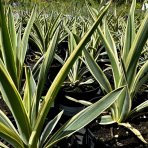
point(124, 65)
point(130, 32)
point(7, 88)
point(97, 72)
point(28, 133)
point(43, 30)
point(10, 136)
point(29, 93)
point(8, 55)
point(53, 90)
point(85, 116)
point(15, 44)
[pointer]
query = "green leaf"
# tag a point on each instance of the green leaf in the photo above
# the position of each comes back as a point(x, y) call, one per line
point(136, 49)
point(140, 79)
point(51, 29)
point(8, 89)
point(10, 136)
point(24, 42)
point(49, 128)
point(19, 34)
point(7, 47)
point(49, 55)
point(5, 120)
point(85, 116)
point(35, 39)
point(38, 36)
point(110, 40)
point(52, 92)
point(130, 32)
point(110, 48)
point(113, 58)
point(124, 104)
point(105, 120)
point(12, 31)
point(83, 102)
point(59, 59)
point(29, 92)
point(97, 72)
point(139, 108)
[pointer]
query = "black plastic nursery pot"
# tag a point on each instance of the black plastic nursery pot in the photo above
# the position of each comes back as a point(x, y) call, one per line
point(53, 71)
point(70, 107)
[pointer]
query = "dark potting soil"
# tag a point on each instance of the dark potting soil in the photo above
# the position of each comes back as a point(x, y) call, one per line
point(81, 88)
point(115, 136)
point(4, 107)
point(111, 136)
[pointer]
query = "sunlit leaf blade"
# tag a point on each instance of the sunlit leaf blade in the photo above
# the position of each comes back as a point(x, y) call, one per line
point(49, 128)
point(52, 92)
point(139, 108)
point(130, 32)
point(140, 79)
point(12, 31)
point(86, 116)
point(124, 105)
point(72, 45)
point(24, 42)
point(83, 102)
point(2, 145)
point(8, 89)
point(35, 39)
point(105, 120)
point(18, 51)
point(10, 136)
point(52, 28)
point(108, 43)
point(7, 47)
point(136, 49)
point(29, 91)
point(38, 36)
point(59, 59)
point(97, 72)
point(110, 40)
point(113, 59)
point(5, 120)
point(45, 66)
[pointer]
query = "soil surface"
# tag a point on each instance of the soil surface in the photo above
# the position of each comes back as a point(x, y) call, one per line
point(114, 136)
point(108, 136)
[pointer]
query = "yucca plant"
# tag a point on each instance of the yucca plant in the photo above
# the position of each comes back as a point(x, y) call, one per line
point(78, 70)
point(40, 38)
point(79, 84)
point(15, 43)
point(125, 69)
point(29, 114)
point(43, 30)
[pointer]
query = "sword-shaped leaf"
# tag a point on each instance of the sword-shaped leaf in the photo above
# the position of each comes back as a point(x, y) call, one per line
point(52, 92)
point(85, 116)
point(10, 136)
point(13, 100)
point(97, 72)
